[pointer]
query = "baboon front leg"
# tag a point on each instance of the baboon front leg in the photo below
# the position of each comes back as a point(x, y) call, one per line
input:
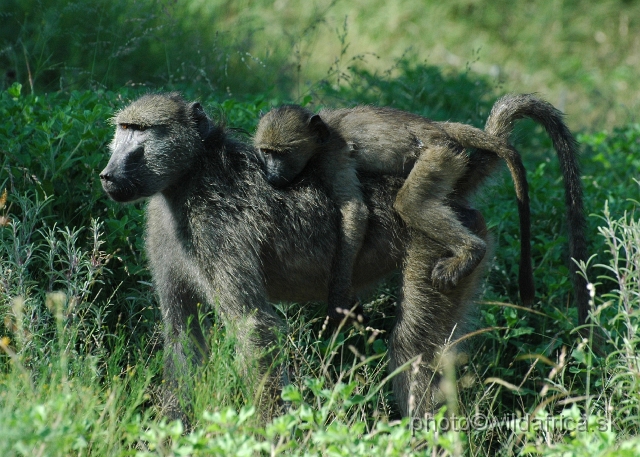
point(257, 338)
point(184, 343)
point(241, 303)
point(353, 227)
point(422, 204)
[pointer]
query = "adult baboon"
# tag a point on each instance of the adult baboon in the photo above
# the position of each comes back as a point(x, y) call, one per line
point(440, 177)
point(218, 233)
point(386, 141)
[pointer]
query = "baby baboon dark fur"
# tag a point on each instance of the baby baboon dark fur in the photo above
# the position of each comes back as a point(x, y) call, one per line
point(345, 142)
point(440, 178)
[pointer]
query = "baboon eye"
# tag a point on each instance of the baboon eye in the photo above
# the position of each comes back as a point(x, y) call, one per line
point(268, 151)
point(133, 127)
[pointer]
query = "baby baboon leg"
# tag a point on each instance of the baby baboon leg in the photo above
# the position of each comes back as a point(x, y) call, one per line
point(421, 204)
point(471, 218)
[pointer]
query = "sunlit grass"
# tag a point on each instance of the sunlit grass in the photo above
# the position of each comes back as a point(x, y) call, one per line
point(582, 56)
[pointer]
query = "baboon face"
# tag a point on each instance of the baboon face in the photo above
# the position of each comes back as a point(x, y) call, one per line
point(286, 138)
point(154, 144)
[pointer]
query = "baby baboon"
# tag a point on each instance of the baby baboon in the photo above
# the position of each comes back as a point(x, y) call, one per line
point(343, 143)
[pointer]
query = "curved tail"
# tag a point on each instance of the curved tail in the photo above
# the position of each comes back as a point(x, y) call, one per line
point(489, 148)
point(500, 123)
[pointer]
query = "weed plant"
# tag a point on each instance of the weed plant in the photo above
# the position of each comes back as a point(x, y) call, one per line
point(80, 360)
point(583, 55)
point(62, 392)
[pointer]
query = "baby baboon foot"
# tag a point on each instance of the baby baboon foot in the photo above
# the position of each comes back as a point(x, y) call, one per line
point(446, 274)
point(449, 271)
point(337, 314)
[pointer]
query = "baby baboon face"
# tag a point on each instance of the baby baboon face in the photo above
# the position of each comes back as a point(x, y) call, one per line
point(286, 139)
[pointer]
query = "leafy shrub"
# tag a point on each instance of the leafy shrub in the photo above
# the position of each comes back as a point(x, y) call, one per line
point(420, 88)
point(52, 45)
point(80, 340)
point(55, 146)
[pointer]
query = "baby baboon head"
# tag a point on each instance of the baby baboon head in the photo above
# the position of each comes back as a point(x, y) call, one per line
point(287, 137)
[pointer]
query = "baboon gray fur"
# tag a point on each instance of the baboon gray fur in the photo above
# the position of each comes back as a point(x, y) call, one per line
point(219, 234)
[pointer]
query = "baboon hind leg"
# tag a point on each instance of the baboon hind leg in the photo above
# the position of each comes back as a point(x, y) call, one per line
point(425, 321)
point(422, 204)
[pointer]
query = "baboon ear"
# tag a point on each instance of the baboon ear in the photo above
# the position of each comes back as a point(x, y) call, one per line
point(202, 121)
point(319, 128)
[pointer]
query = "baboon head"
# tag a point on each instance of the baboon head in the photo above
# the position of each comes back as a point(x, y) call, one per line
point(286, 138)
point(156, 140)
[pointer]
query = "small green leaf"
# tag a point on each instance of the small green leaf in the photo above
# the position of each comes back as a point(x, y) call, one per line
point(15, 90)
point(579, 355)
point(379, 346)
point(291, 393)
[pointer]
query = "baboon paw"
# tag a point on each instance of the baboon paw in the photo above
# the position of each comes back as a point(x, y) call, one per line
point(446, 275)
point(450, 271)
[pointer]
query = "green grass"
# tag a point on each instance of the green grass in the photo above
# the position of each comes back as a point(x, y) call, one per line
point(80, 356)
point(80, 346)
point(581, 55)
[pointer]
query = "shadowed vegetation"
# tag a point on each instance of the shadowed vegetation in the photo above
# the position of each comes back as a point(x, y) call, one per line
point(80, 350)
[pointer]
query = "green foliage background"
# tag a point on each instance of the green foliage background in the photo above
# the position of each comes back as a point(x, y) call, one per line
point(80, 372)
point(582, 55)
